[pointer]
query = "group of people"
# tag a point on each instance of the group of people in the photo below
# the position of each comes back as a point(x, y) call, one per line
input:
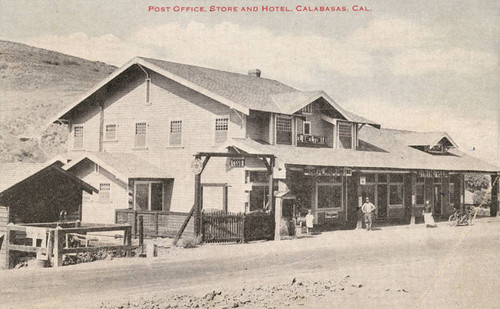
point(369, 211)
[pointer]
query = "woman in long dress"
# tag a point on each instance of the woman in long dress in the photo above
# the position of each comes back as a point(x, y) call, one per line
point(428, 218)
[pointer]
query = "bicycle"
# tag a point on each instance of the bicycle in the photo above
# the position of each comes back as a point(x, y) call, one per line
point(460, 217)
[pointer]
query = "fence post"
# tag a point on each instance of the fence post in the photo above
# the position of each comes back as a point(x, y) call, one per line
point(141, 233)
point(7, 244)
point(243, 228)
point(156, 223)
point(58, 247)
point(134, 223)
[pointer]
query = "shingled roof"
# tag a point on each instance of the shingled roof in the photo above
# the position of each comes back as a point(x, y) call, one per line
point(239, 91)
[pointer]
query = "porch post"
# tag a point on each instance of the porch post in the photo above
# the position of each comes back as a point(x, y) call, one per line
point(462, 191)
point(446, 211)
point(413, 207)
point(495, 197)
point(197, 210)
point(359, 224)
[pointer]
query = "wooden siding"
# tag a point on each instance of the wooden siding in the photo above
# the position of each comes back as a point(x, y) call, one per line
point(4, 220)
point(93, 210)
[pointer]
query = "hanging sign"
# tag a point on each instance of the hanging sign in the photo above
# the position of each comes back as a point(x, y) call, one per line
point(331, 215)
point(236, 162)
point(432, 173)
point(197, 166)
point(327, 171)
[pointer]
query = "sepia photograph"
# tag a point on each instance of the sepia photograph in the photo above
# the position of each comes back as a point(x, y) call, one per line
point(249, 154)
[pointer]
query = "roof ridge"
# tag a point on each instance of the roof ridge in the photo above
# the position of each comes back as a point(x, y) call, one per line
point(215, 70)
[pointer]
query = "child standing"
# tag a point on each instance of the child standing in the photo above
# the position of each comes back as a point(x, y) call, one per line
point(309, 221)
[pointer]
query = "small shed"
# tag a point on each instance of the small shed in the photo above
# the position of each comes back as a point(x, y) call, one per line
point(39, 192)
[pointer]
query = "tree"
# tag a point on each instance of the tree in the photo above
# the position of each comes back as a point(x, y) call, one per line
point(476, 182)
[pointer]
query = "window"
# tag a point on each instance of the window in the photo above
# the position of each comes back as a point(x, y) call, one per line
point(283, 130)
point(452, 194)
point(148, 91)
point(370, 178)
point(396, 178)
point(221, 129)
point(110, 132)
point(257, 177)
point(395, 195)
point(78, 137)
point(382, 178)
point(307, 109)
point(329, 195)
point(104, 193)
point(420, 194)
point(345, 135)
point(307, 127)
point(175, 133)
point(140, 135)
point(148, 195)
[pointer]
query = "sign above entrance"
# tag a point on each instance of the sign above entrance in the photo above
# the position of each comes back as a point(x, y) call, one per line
point(432, 173)
point(327, 171)
point(236, 162)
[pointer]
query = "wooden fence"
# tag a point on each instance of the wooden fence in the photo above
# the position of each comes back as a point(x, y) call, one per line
point(51, 241)
point(220, 226)
point(155, 223)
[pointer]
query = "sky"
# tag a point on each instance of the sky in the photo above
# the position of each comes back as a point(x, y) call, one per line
point(416, 65)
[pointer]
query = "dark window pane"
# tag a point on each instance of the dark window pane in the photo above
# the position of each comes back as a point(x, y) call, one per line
point(420, 194)
point(369, 177)
point(382, 177)
point(258, 197)
point(329, 196)
point(156, 196)
point(396, 177)
point(395, 195)
point(142, 196)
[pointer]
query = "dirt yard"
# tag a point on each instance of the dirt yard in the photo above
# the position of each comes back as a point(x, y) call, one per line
point(393, 267)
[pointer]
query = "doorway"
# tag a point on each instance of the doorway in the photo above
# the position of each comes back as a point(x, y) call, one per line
point(382, 201)
point(437, 200)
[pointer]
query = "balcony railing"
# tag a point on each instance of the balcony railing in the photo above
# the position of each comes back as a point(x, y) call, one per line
point(310, 140)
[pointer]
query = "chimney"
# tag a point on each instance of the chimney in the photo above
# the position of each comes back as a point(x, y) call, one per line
point(254, 72)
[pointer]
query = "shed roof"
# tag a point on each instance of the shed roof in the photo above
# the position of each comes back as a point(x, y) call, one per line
point(389, 153)
point(12, 174)
point(121, 165)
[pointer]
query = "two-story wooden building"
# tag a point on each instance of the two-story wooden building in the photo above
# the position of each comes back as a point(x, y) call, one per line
point(133, 136)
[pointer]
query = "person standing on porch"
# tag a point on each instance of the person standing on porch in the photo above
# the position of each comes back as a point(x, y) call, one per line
point(369, 211)
point(428, 218)
point(309, 221)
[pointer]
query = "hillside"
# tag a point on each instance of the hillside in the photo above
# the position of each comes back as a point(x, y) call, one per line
point(34, 84)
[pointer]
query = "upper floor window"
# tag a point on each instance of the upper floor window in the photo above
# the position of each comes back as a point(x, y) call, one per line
point(78, 137)
point(104, 193)
point(308, 109)
point(345, 135)
point(140, 135)
point(307, 127)
point(110, 132)
point(221, 129)
point(283, 130)
point(175, 133)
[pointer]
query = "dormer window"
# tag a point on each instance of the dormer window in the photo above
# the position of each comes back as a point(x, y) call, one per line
point(346, 135)
point(284, 130)
point(307, 110)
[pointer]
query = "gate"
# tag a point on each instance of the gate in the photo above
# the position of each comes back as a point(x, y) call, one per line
point(220, 226)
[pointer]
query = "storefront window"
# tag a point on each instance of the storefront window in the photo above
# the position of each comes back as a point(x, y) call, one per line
point(329, 196)
point(420, 194)
point(148, 195)
point(396, 177)
point(370, 178)
point(382, 178)
point(395, 194)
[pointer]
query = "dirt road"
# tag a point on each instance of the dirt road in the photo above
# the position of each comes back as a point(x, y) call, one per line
point(391, 267)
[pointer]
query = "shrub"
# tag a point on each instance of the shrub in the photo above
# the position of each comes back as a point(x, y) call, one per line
point(190, 242)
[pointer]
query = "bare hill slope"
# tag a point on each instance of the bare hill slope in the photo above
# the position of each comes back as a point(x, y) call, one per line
point(34, 84)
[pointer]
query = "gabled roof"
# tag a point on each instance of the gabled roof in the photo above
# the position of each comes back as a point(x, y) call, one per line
point(412, 138)
point(238, 91)
point(122, 165)
point(13, 174)
point(391, 154)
